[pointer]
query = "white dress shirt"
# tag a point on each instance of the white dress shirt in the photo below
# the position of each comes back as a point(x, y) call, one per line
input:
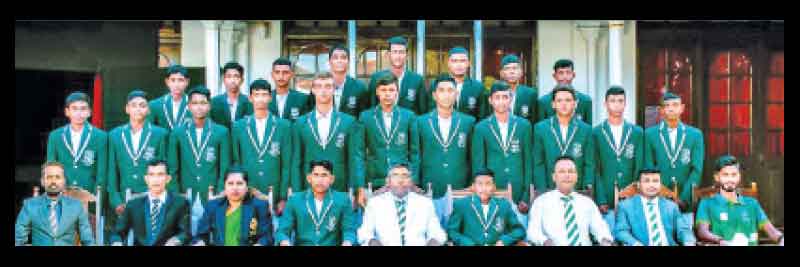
point(513, 95)
point(281, 102)
point(458, 95)
point(616, 132)
point(547, 221)
point(199, 137)
point(647, 215)
point(175, 110)
point(485, 210)
point(387, 121)
point(564, 130)
point(76, 138)
point(503, 130)
point(673, 136)
point(232, 107)
point(318, 205)
point(337, 96)
point(444, 127)
point(261, 125)
point(380, 221)
point(135, 136)
point(324, 125)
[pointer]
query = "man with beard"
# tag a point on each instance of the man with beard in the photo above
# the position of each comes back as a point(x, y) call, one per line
point(52, 219)
point(287, 103)
point(385, 219)
point(730, 219)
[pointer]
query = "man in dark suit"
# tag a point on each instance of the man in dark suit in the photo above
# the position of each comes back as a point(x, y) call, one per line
point(159, 218)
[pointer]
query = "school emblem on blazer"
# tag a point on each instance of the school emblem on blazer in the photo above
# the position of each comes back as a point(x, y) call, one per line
point(514, 145)
point(149, 153)
point(524, 110)
point(275, 149)
point(462, 140)
point(577, 151)
point(294, 112)
point(253, 227)
point(88, 157)
point(686, 156)
point(401, 139)
point(471, 101)
point(332, 224)
point(499, 225)
point(629, 151)
point(210, 155)
point(411, 94)
point(580, 117)
point(340, 140)
point(351, 102)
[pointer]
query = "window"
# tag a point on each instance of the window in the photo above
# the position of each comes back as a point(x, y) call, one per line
point(774, 105)
point(169, 43)
point(308, 57)
point(730, 103)
point(436, 53)
point(665, 69)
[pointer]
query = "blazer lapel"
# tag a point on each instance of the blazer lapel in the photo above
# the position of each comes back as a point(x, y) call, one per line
point(164, 212)
point(665, 219)
point(219, 232)
point(640, 217)
point(247, 216)
point(44, 213)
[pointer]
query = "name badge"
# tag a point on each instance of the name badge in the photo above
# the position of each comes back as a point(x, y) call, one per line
point(723, 216)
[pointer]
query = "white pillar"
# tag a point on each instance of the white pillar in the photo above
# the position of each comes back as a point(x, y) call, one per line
point(591, 33)
point(478, 28)
point(212, 55)
point(242, 39)
point(421, 48)
point(615, 28)
point(351, 45)
point(227, 47)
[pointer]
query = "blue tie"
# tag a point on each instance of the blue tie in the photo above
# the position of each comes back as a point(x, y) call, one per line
point(155, 211)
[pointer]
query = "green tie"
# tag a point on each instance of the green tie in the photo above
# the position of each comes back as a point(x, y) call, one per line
point(401, 219)
point(655, 236)
point(569, 218)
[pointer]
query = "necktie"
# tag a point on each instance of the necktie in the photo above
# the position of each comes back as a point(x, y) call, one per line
point(655, 236)
point(401, 219)
point(53, 216)
point(569, 218)
point(155, 209)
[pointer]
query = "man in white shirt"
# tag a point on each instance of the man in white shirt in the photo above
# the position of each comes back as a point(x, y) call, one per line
point(563, 217)
point(400, 217)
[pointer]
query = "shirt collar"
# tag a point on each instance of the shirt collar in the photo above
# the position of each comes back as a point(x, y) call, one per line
point(162, 198)
point(645, 201)
point(321, 115)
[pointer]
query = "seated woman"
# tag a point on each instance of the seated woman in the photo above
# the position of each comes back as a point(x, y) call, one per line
point(235, 219)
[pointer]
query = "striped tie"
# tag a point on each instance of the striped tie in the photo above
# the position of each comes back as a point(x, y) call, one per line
point(154, 212)
point(569, 218)
point(655, 235)
point(401, 219)
point(53, 216)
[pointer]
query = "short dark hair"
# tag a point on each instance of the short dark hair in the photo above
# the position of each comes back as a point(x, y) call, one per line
point(563, 88)
point(158, 162)
point(725, 161)
point(398, 164)
point(615, 90)
point(443, 78)
point(324, 163)
point(282, 61)
point(386, 79)
point(233, 65)
point(644, 171)
point(236, 169)
point(136, 93)
point(260, 84)
point(338, 47)
point(322, 75)
point(199, 89)
point(564, 157)
point(177, 69)
point(484, 172)
point(563, 63)
point(77, 96)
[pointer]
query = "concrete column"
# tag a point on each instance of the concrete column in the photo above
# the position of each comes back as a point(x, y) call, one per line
point(590, 34)
point(615, 28)
point(212, 55)
point(478, 33)
point(351, 44)
point(421, 47)
point(242, 40)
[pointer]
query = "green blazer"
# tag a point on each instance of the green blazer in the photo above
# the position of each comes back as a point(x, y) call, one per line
point(546, 150)
point(583, 111)
point(161, 112)
point(525, 105)
point(205, 169)
point(87, 168)
point(441, 166)
point(514, 164)
point(411, 94)
point(685, 163)
point(620, 164)
point(33, 221)
point(267, 163)
point(344, 147)
point(355, 98)
point(297, 104)
point(402, 145)
point(126, 165)
point(221, 111)
point(471, 102)
point(466, 225)
point(337, 221)
point(174, 221)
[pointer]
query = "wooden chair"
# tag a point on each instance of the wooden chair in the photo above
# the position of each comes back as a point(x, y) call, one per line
point(96, 220)
point(589, 192)
point(633, 189)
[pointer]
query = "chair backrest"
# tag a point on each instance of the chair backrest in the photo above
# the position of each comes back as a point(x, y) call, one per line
point(701, 193)
point(385, 188)
point(466, 192)
point(212, 196)
point(589, 192)
point(633, 189)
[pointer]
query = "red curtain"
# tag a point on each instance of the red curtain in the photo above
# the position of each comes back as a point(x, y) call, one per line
point(97, 107)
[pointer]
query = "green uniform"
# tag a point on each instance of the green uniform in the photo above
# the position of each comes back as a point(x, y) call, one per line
point(525, 104)
point(335, 223)
point(583, 111)
point(468, 226)
point(684, 163)
point(297, 104)
point(411, 91)
point(161, 113)
point(615, 161)
point(471, 101)
point(548, 145)
point(198, 165)
point(127, 165)
point(511, 161)
point(726, 218)
point(344, 147)
point(84, 163)
point(444, 159)
point(221, 110)
point(354, 99)
point(267, 162)
point(388, 144)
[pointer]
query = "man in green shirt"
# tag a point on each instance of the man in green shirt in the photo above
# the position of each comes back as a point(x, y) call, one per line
point(730, 219)
point(564, 73)
point(470, 93)
point(619, 151)
point(502, 142)
point(232, 105)
point(524, 101)
point(287, 103)
point(319, 216)
point(411, 85)
point(482, 219)
point(169, 111)
point(199, 153)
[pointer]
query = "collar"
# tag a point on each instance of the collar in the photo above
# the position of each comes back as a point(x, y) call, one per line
point(723, 200)
point(321, 115)
point(645, 201)
point(162, 197)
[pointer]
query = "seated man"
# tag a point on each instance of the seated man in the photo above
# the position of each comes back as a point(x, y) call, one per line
point(563, 217)
point(158, 219)
point(319, 216)
point(650, 220)
point(730, 219)
point(385, 216)
point(482, 219)
point(51, 219)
